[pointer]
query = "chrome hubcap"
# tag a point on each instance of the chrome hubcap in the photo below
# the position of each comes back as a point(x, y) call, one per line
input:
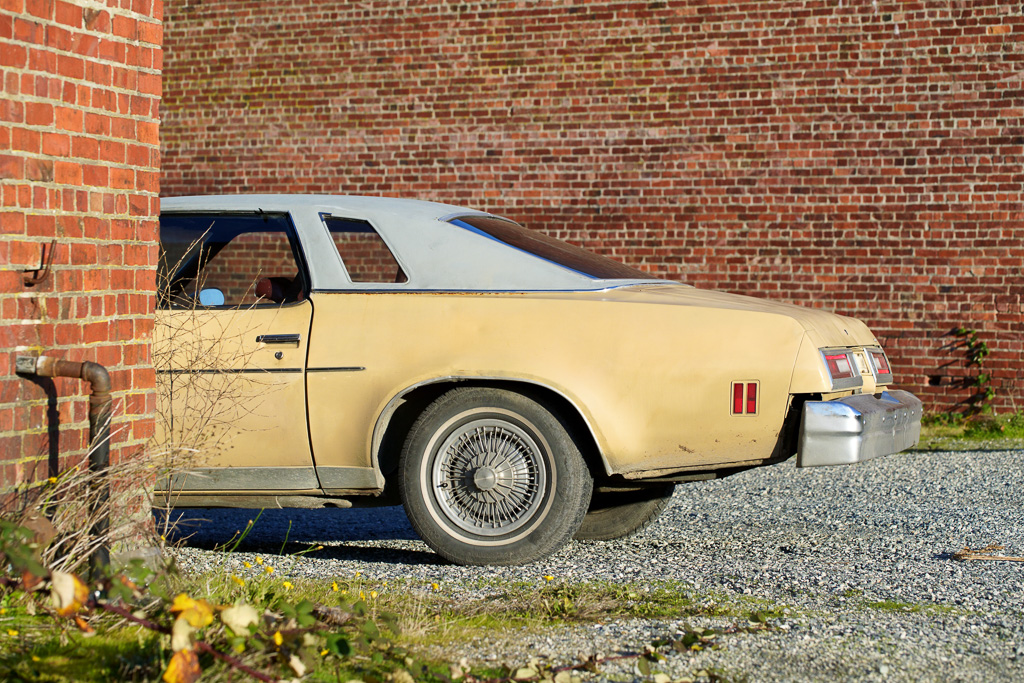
point(489, 477)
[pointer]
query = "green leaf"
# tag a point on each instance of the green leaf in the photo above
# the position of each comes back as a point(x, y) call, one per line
point(391, 621)
point(644, 666)
point(370, 630)
point(338, 645)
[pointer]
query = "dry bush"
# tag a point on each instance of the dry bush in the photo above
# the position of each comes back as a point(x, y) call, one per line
point(65, 511)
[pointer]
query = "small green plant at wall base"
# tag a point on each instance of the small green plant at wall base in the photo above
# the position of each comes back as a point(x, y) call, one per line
point(975, 352)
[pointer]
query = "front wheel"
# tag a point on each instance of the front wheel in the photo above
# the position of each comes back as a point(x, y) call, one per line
point(490, 476)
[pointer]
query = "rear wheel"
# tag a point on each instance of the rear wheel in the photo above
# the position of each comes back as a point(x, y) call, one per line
point(617, 514)
point(490, 476)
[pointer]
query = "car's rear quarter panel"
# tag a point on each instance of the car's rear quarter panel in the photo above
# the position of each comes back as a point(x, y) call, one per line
point(653, 382)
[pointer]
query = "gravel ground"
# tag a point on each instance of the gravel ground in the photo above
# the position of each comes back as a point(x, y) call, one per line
point(827, 543)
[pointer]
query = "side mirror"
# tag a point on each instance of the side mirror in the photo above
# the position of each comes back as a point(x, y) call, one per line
point(211, 297)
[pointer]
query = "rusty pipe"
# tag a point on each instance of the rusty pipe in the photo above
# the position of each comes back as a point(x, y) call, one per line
point(100, 403)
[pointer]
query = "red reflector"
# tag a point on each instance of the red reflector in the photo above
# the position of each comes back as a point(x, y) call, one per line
point(737, 398)
point(752, 397)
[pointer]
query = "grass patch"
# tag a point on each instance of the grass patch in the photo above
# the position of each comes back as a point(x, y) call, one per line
point(33, 647)
point(911, 608)
point(422, 629)
point(953, 432)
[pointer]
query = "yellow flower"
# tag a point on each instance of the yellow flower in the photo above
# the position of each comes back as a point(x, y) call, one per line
point(237, 580)
point(373, 594)
point(11, 632)
point(324, 652)
point(3, 610)
point(334, 586)
point(259, 560)
point(269, 570)
point(53, 480)
point(287, 585)
point(246, 564)
point(278, 638)
point(36, 659)
point(361, 595)
point(548, 577)
point(435, 587)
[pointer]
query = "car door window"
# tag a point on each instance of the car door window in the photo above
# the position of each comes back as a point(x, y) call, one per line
point(366, 256)
point(229, 260)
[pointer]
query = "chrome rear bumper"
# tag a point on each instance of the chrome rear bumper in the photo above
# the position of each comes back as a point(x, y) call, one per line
point(856, 428)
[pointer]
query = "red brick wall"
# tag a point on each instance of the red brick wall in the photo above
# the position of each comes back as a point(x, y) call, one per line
point(863, 156)
point(79, 162)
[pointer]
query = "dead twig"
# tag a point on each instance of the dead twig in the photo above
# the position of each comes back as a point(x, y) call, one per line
point(986, 553)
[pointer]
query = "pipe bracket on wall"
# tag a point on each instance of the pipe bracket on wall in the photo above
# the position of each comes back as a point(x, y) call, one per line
point(31, 278)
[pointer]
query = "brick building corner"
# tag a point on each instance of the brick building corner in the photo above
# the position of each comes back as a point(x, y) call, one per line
point(79, 170)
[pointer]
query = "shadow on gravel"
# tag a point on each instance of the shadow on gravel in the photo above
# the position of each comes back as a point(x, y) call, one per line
point(210, 528)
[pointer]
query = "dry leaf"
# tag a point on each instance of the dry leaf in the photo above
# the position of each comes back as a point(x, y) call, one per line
point(31, 582)
point(68, 593)
point(181, 635)
point(986, 553)
point(198, 613)
point(84, 627)
point(183, 668)
point(299, 668)
point(402, 676)
point(239, 618)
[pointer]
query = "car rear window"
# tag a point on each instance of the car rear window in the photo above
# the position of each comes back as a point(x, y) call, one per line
point(548, 248)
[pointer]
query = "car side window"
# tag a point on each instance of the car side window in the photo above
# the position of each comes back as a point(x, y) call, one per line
point(229, 260)
point(365, 255)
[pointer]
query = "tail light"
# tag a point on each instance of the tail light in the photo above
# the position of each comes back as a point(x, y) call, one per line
point(841, 368)
point(880, 365)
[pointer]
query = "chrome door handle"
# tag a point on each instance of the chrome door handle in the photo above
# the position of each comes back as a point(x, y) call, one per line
point(278, 338)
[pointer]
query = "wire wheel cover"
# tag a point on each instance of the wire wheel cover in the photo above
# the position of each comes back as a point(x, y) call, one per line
point(489, 477)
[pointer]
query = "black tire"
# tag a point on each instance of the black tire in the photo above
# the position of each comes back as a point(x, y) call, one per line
point(489, 476)
point(617, 514)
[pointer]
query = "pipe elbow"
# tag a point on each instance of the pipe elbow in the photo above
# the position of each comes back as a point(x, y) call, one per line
point(96, 375)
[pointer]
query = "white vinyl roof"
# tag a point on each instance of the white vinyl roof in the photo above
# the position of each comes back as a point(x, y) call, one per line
point(433, 253)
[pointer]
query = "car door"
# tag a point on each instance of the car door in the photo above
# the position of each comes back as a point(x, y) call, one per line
point(233, 325)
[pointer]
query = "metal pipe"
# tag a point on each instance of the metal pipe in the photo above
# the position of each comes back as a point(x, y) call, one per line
point(100, 403)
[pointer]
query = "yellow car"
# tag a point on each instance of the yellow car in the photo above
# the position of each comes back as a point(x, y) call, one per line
point(510, 390)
